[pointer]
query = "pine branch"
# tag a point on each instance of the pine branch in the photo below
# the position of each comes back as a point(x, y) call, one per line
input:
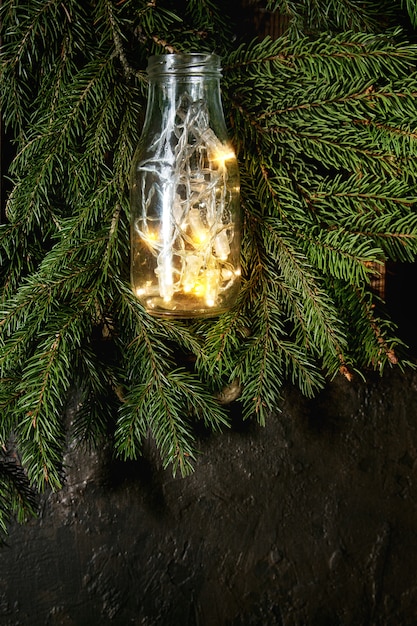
point(372, 343)
point(222, 340)
point(411, 9)
point(157, 403)
point(40, 405)
point(16, 496)
point(267, 359)
point(335, 15)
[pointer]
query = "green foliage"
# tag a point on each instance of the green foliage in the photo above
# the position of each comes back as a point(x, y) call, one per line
point(16, 496)
point(315, 16)
point(324, 122)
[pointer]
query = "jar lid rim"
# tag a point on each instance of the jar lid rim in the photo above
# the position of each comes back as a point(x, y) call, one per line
point(184, 62)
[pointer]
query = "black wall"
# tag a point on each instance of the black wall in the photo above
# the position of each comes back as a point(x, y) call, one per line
point(311, 520)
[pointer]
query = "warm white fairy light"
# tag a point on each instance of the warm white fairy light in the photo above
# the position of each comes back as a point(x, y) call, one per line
point(165, 268)
point(192, 241)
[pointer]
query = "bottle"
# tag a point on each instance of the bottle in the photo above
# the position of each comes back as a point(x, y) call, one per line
point(184, 193)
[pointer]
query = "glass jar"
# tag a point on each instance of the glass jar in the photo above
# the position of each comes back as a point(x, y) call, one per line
point(184, 193)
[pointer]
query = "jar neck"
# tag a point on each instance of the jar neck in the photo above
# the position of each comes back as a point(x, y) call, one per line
point(184, 66)
point(185, 87)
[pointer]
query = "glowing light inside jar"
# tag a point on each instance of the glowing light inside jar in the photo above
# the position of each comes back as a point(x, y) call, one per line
point(192, 269)
point(192, 240)
point(221, 155)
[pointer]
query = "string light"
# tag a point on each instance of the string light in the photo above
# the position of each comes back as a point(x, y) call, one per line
point(192, 241)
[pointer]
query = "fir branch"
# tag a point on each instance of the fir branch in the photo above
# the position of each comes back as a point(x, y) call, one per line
point(99, 384)
point(222, 340)
point(39, 430)
point(317, 323)
point(411, 10)
point(341, 254)
point(36, 41)
point(371, 341)
point(16, 496)
point(157, 403)
point(384, 213)
point(316, 15)
point(261, 372)
point(266, 359)
point(362, 54)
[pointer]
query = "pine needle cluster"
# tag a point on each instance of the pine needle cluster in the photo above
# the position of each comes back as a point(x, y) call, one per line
point(324, 122)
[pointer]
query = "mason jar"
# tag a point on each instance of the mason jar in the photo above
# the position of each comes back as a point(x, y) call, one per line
point(184, 193)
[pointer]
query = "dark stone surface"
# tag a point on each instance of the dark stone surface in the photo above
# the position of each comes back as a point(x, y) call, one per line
point(310, 520)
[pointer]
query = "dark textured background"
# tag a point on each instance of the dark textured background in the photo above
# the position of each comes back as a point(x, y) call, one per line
point(310, 520)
